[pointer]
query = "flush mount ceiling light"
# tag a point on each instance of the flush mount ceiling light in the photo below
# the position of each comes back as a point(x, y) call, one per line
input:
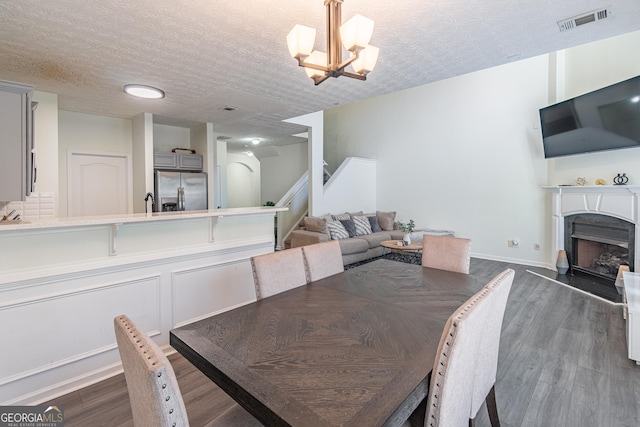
point(249, 153)
point(255, 141)
point(353, 34)
point(144, 91)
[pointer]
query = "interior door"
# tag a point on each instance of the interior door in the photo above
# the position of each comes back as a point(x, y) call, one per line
point(98, 184)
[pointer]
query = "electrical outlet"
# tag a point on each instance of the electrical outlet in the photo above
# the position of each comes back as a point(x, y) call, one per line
point(513, 243)
point(536, 246)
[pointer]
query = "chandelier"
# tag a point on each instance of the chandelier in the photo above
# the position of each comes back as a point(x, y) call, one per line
point(353, 34)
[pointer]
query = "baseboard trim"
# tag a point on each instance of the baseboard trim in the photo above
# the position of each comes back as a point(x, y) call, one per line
point(514, 260)
point(74, 384)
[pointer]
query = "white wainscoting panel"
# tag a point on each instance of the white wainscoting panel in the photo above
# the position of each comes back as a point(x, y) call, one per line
point(59, 329)
point(72, 318)
point(194, 295)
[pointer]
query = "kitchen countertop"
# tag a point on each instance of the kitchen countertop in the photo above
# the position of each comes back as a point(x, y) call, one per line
point(60, 222)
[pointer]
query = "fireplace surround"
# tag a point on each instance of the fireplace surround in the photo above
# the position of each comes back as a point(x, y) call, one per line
point(596, 220)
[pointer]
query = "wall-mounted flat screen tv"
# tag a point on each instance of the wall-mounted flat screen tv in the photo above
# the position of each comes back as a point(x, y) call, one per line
point(605, 119)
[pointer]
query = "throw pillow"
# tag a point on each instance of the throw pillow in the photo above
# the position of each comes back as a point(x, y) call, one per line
point(317, 224)
point(339, 217)
point(386, 220)
point(350, 226)
point(337, 230)
point(362, 225)
point(373, 221)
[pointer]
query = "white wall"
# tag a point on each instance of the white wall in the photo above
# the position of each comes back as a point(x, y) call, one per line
point(352, 188)
point(466, 153)
point(279, 173)
point(89, 133)
point(142, 162)
point(166, 138)
point(243, 180)
point(588, 68)
point(203, 141)
point(460, 154)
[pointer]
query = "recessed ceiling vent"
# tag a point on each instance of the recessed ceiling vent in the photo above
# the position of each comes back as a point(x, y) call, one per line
point(229, 108)
point(223, 138)
point(585, 18)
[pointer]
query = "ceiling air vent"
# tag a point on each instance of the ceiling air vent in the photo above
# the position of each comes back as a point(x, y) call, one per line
point(585, 18)
point(223, 138)
point(229, 108)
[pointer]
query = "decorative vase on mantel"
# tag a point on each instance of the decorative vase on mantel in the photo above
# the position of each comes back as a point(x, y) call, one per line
point(563, 263)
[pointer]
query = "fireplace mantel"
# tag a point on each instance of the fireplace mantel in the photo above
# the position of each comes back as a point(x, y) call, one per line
point(619, 201)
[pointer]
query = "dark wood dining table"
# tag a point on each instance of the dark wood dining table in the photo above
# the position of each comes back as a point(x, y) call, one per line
point(354, 349)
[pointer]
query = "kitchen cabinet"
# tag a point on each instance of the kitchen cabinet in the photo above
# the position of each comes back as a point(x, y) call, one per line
point(191, 162)
point(16, 140)
point(165, 161)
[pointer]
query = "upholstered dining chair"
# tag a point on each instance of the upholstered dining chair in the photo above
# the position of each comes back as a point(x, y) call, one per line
point(464, 372)
point(487, 359)
point(451, 387)
point(323, 259)
point(278, 272)
point(446, 253)
point(154, 393)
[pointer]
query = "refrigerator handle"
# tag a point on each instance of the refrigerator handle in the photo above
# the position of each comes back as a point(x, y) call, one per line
point(180, 206)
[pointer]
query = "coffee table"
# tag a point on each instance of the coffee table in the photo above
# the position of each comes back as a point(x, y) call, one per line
point(393, 244)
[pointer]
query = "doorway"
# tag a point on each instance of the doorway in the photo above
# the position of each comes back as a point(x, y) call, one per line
point(243, 186)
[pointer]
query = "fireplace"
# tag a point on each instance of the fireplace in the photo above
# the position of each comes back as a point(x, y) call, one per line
point(598, 245)
point(596, 225)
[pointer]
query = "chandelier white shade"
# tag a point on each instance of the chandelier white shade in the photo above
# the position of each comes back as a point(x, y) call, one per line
point(354, 35)
point(300, 41)
point(318, 59)
point(366, 60)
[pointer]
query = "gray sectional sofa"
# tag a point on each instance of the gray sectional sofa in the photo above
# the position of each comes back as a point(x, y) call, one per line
point(360, 243)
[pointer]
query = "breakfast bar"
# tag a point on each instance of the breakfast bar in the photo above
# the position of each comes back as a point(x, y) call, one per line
point(63, 280)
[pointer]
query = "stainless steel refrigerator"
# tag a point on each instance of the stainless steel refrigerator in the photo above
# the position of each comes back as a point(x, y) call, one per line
point(180, 191)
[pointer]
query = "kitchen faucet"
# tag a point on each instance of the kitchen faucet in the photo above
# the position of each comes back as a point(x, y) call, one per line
point(146, 200)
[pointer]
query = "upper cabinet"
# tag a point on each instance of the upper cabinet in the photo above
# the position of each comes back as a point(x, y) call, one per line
point(191, 162)
point(16, 140)
point(165, 161)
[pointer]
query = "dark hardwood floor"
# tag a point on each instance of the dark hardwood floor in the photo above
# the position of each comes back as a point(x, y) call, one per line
point(563, 362)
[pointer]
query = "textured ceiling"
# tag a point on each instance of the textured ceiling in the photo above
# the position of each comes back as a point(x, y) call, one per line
point(208, 54)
